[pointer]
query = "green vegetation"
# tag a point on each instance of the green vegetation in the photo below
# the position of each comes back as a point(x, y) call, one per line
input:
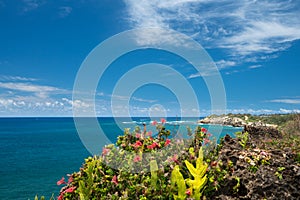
point(243, 137)
point(197, 168)
point(165, 168)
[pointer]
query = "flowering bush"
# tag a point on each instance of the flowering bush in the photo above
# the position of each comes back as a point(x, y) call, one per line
point(144, 167)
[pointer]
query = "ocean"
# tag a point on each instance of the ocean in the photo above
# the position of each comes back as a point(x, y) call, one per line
point(36, 152)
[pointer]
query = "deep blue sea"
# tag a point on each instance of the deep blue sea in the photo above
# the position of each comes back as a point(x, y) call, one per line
point(36, 152)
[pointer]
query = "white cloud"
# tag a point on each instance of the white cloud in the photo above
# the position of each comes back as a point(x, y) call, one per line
point(282, 110)
point(126, 98)
point(263, 111)
point(39, 90)
point(143, 100)
point(77, 104)
point(222, 64)
point(64, 11)
point(254, 66)
point(287, 101)
point(32, 4)
point(245, 27)
point(32, 106)
point(16, 78)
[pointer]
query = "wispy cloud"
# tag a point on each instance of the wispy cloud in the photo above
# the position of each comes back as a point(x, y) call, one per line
point(64, 11)
point(263, 111)
point(126, 98)
point(143, 100)
point(30, 5)
point(16, 78)
point(245, 28)
point(287, 101)
point(39, 90)
point(254, 66)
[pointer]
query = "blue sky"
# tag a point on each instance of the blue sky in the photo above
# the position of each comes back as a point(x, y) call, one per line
point(254, 44)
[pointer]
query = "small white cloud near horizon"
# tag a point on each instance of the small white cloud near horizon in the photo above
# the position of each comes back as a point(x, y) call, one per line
point(286, 101)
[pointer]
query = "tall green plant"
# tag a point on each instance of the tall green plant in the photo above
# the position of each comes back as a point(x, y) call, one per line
point(197, 184)
point(177, 179)
point(199, 174)
point(153, 169)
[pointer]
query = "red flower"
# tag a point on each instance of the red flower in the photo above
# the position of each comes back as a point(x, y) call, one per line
point(152, 146)
point(137, 144)
point(61, 181)
point(105, 151)
point(137, 135)
point(70, 180)
point(115, 180)
point(188, 192)
point(70, 189)
point(154, 123)
point(204, 130)
point(137, 159)
point(163, 120)
point(209, 134)
point(61, 196)
point(168, 141)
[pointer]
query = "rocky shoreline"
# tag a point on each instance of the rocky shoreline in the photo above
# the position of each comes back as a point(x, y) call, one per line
point(226, 120)
point(265, 163)
point(258, 172)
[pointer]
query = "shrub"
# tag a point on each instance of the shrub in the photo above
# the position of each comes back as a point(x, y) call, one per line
point(139, 175)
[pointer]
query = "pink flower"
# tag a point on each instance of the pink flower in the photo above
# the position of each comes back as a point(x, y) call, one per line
point(204, 130)
point(209, 134)
point(137, 159)
point(137, 135)
point(105, 151)
point(206, 141)
point(188, 192)
point(61, 181)
point(61, 196)
point(154, 123)
point(152, 146)
point(70, 180)
point(137, 144)
point(149, 133)
point(168, 141)
point(115, 180)
point(174, 158)
point(70, 189)
point(163, 120)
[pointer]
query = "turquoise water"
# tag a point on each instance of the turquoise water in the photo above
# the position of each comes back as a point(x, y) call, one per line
point(36, 152)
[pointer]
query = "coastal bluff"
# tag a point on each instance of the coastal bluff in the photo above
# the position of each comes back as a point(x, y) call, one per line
point(252, 126)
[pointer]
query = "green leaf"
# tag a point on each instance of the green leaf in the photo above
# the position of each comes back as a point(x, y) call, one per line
point(177, 178)
point(191, 168)
point(153, 169)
